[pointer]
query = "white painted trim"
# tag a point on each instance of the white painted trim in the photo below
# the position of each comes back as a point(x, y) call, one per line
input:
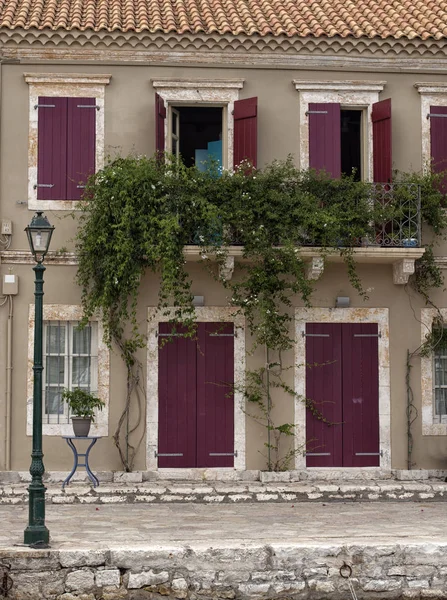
point(69, 312)
point(202, 314)
point(61, 85)
point(431, 94)
point(343, 315)
point(358, 94)
point(428, 315)
point(210, 92)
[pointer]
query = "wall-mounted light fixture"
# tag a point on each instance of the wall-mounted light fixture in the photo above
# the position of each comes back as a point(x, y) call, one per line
point(342, 302)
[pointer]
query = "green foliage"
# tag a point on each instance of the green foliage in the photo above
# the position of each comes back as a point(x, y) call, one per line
point(82, 403)
point(139, 213)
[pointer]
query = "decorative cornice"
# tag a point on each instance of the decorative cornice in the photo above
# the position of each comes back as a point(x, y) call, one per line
point(440, 87)
point(193, 84)
point(339, 86)
point(31, 46)
point(67, 78)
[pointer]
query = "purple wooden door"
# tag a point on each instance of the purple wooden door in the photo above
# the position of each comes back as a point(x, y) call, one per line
point(325, 137)
point(196, 423)
point(245, 131)
point(381, 123)
point(52, 148)
point(177, 393)
point(342, 380)
point(360, 395)
point(81, 146)
point(215, 406)
point(323, 393)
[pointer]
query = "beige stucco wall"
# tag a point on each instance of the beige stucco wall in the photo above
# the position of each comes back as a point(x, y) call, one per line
point(129, 126)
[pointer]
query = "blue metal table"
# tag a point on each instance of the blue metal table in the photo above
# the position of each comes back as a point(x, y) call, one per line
point(69, 439)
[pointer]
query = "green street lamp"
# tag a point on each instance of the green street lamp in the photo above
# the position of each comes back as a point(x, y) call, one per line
point(39, 233)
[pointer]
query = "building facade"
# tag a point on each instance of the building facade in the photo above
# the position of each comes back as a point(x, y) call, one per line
point(334, 90)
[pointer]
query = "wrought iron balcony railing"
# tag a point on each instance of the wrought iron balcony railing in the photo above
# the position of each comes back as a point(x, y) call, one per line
point(393, 215)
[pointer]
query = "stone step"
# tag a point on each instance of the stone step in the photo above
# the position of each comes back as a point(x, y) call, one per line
point(82, 492)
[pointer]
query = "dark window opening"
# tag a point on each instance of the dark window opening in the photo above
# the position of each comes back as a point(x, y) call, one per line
point(351, 143)
point(197, 135)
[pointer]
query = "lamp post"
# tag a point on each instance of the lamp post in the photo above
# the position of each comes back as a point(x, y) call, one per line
point(39, 233)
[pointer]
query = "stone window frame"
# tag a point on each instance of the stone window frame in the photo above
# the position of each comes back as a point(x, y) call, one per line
point(62, 85)
point(428, 315)
point(432, 94)
point(206, 92)
point(352, 94)
point(69, 312)
point(203, 314)
point(343, 315)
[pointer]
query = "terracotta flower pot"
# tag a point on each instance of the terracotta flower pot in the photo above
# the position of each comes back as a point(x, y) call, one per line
point(81, 426)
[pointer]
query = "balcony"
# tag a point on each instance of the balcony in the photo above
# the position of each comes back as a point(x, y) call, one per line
point(395, 236)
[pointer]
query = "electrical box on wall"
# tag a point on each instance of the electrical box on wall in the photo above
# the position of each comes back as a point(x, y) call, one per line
point(6, 227)
point(10, 284)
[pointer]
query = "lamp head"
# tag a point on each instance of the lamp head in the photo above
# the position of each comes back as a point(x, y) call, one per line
point(39, 233)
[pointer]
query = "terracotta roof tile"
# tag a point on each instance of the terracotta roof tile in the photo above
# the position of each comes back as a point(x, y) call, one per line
point(356, 18)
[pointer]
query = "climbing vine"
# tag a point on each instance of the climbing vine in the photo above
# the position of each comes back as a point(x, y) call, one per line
point(138, 214)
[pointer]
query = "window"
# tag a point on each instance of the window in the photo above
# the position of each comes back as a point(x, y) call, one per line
point(196, 135)
point(70, 361)
point(66, 137)
point(440, 383)
point(72, 357)
point(433, 379)
point(434, 124)
point(205, 120)
point(345, 129)
point(66, 146)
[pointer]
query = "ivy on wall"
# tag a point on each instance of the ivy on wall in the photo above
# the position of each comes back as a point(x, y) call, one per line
point(138, 214)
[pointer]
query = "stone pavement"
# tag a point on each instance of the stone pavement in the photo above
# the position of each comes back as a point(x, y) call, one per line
point(228, 492)
point(208, 551)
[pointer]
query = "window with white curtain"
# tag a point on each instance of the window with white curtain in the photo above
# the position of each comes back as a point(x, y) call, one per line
point(70, 361)
point(440, 383)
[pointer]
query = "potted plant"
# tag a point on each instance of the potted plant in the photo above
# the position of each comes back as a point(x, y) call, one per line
point(82, 406)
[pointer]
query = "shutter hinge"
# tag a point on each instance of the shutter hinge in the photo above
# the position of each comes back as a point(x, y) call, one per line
point(369, 453)
point(44, 185)
point(156, 454)
point(316, 112)
point(436, 115)
point(44, 106)
point(222, 335)
point(80, 187)
point(223, 453)
point(317, 453)
point(315, 334)
point(379, 335)
point(88, 106)
point(169, 334)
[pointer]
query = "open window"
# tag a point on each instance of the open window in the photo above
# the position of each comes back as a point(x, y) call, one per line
point(196, 135)
point(204, 122)
point(337, 139)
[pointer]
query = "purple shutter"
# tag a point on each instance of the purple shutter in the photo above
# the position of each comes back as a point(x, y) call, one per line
point(52, 148)
point(215, 405)
point(360, 395)
point(324, 390)
point(177, 431)
point(245, 131)
point(160, 116)
point(438, 138)
point(81, 144)
point(381, 124)
point(325, 138)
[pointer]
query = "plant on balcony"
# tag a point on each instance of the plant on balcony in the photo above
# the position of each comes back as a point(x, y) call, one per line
point(140, 212)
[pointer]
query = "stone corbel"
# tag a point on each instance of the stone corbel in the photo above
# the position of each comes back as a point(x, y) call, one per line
point(402, 269)
point(315, 268)
point(227, 268)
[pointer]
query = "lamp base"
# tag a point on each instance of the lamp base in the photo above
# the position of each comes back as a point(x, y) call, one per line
point(35, 534)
